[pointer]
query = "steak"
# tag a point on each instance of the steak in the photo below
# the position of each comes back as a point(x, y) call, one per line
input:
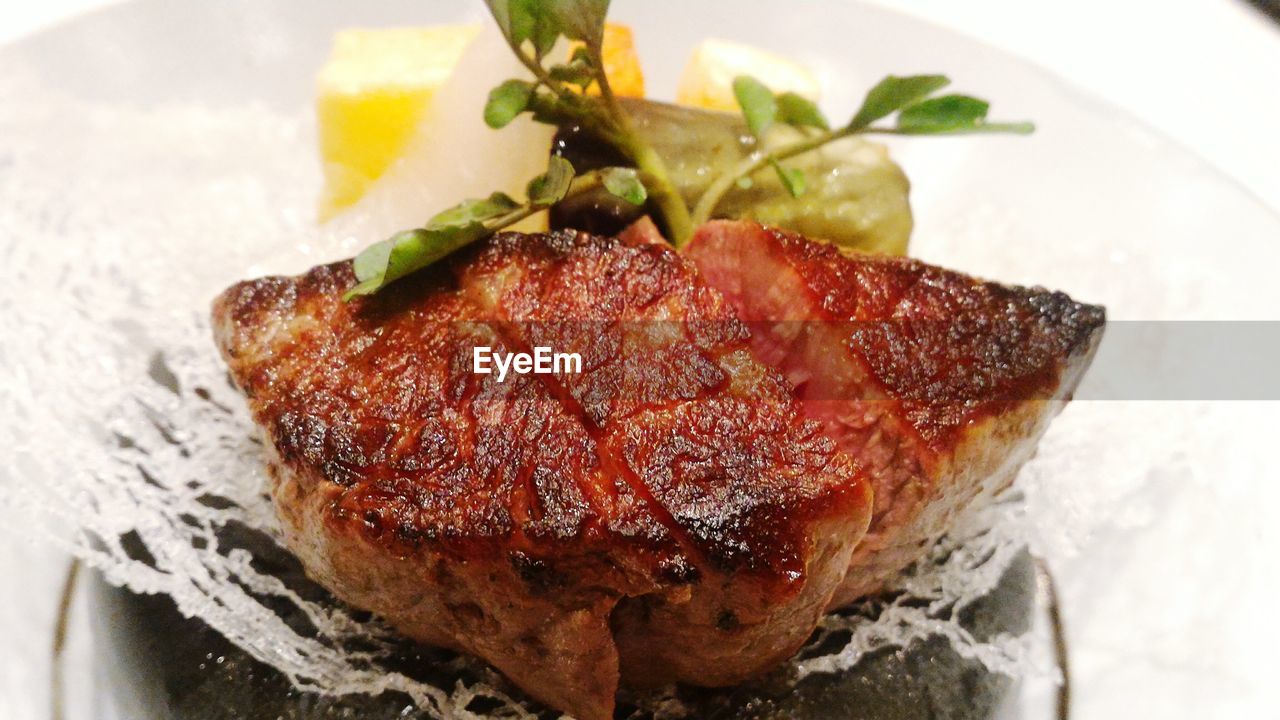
point(939, 385)
point(667, 514)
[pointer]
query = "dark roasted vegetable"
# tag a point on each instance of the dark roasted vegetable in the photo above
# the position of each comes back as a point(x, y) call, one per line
point(857, 195)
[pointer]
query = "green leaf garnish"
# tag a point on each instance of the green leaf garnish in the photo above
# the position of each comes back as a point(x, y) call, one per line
point(506, 102)
point(759, 107)
point(372, 261)
point(800, 111)
point(512, 18)
point(550, 187)
point(952, 114)
point(894, 93)
point(581, 20)
point(575, 73)
point(530, 28)
point(524, 21)
point(792, 178)
point(580, 70)
point(940, 114)
point(625, 183)
point(496, 205)
point(542, 22)
point(907, 96)
point(408, 252)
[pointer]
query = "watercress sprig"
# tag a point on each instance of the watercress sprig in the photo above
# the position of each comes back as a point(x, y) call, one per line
point(576, 91)
point(470, 220)
point(919, 112)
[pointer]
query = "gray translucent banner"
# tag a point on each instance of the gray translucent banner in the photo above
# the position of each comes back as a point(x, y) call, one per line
point(944, 361)
point(1210, 360)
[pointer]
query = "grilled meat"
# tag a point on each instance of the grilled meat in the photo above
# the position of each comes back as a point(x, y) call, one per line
point(938, 384)
point(665, 515)
point(686, 506)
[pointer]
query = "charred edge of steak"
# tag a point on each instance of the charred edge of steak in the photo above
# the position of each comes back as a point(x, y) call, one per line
point(940, 348)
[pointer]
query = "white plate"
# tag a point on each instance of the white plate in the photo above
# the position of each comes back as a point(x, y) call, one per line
point(1156, 516)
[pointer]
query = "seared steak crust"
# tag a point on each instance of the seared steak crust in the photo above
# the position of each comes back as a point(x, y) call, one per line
point(938, 383)
point(668, 505)
point(948, 348)
point(700, 429)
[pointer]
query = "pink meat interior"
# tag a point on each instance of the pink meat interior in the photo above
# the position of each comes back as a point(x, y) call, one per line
point(791, 333)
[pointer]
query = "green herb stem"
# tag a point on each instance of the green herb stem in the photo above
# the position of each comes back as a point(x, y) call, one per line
point(618, 131)
point(560, 95)
point(581, 184)
point(753, 164)
point(534, 66)
point(663, 192)
point(756, 162)
point(596, 53)
point(657, 178)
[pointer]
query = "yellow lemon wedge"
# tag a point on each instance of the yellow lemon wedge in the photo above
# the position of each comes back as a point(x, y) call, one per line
point(707, 81)
point(378, 83)
point(371, 95)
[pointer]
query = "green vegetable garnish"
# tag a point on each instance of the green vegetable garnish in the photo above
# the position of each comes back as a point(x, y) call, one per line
point(918, 114)
point(470, 220)
point(792, 178)
point(759, 106)
point(625, 183)
point(952, 114)
point(550, 187)
point(894, 93)
point(856, 196)
point(799, 111)
point(506, 102)
point(556, 96)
